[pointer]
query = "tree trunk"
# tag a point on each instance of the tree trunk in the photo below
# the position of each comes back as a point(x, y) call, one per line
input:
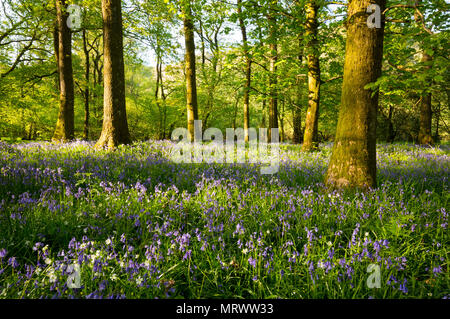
point(65, 124)
point(191, 85)
point(248, 71)
point(263, 111)
point(115, 125)
point(158, 104)
point(86, 90)
point(273, 81)
point(310, 138)
point(438, 115)
point(425, 111)
point(425, 103)
point(281, 119)
point(391, 132)
point(297, 116)
point(353, 159)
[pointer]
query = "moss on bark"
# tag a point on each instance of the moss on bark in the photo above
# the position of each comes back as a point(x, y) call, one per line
point(353, 159)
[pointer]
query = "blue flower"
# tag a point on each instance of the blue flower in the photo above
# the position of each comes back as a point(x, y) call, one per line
point(252, 262)
point(13, 262)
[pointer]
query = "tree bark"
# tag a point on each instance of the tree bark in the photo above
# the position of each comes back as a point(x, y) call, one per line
point(86, 89)
point(273, 81)
point(310, 138)
point(297, 116)
point(353, 160)
point(191, 85)
point(115, 125)
point(438, 116)
point(391, 132)
point(281, 119)
point(425, 103)
point(248, 71)
point(425, 137)
point(64, 130)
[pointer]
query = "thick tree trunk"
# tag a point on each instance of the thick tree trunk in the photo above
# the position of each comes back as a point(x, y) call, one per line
point(65, 124)
point(86, 90)
point(273, 81)
point(115, 125)
point(353, 159)
point(310, 138)
point(248, 71)
point(191, 85)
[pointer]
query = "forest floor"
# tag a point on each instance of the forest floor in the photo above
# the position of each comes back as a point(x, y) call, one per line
point(133, 224)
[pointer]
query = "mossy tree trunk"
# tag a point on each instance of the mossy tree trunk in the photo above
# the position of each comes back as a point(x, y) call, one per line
point(310, 138)
point(115, 126)
point(191, 85)
point(64, 130)
point(353, 159)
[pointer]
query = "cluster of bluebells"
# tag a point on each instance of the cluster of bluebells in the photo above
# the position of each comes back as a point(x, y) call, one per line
point(139, 225)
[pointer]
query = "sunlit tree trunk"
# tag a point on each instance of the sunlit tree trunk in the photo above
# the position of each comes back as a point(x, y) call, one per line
point(353, 159)
point(191, 85)
point(115, 125)
point(65, 124)
point(310, 138)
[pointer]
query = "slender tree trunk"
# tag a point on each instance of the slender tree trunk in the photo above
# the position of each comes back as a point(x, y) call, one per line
point(281, 119)
point(438, 115)
point(248, 71)
point(115, 125)
point(98, 79)
point(86, 90)
point(273, 81)
point(391, 133)
point(425, 111)
point(353, 159)
point(191, 85)
point(158, 104)
point(297, 116)
point(425, 103)
point(65, 124)
point(310, 139)
point(263, 120)
point(161, 103)
point(202, 48)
